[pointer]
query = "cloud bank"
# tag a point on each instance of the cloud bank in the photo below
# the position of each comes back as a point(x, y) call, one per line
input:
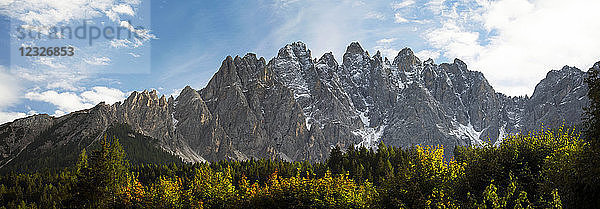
point(516, 42)
point(70, 101)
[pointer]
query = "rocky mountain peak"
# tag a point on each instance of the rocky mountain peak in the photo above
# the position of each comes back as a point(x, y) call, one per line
point(429, 62)
point(569, 69)
point(461, 65)
point(144, 97)
point(250, 56)
point(406, 59)
point(170, 99)
point(356, 57)
point(386, 61)
point(187, 91)
point(597, 65)
point(294, 50)
point(558, 99)
point(566, 72)
point(405, 52)
point(354, 48)
point(328, 59)
point(378, 58)
point(226, 75)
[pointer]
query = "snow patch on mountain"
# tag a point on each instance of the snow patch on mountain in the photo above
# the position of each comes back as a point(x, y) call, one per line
point(370, 136)
point(467, 132)
point(175, 121)
point(308, 121)
point(364, 118)
point(501, 135)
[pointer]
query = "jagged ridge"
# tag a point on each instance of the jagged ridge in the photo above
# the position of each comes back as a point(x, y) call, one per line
point(295, 107)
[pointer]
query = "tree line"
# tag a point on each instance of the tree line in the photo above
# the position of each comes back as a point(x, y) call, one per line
point(544, 169)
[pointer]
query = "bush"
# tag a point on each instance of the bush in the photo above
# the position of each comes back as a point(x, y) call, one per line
point(307, 192)
point(426, 180)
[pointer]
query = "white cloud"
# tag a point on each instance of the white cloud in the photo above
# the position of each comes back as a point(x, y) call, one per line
point(141, 37)
point(66, 102)
point(44, 75)
point(6, 117)
point(375, 15)
point(502, 13)
point(285, 3)
point(58, 113)
point(41, 15)
point(385, 41)
point(123, 9)
point(403, 4)
point(98, 61)
point(65, 79)
point(455, 42)
point(64, 84)
point(51, 12)
point(103, 94)
point(399, 19)
point(10, 116)
point(390, 53)
point(9, 88)
point(120, 43)
point(175, 93)
point(358, 3)
point(385, 47)
point(48, 61)
point(436, 6)
point(426, 54)
point(522, 40)
point(143, 34)
point(388, 48)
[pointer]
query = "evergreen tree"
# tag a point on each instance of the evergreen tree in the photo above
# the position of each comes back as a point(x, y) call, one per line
point(335, 161)
point(592, 113)
point(588, 172)
point(101, 180)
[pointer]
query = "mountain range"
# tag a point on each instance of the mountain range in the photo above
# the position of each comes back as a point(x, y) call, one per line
point(297, 107)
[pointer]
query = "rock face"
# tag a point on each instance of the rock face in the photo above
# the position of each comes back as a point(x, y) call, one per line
point(295, 107)
point(259, 114)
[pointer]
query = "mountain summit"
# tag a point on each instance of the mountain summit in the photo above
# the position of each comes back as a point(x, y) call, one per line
point(296, 107)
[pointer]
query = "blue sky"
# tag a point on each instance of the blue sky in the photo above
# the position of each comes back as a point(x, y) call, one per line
point(513, 42)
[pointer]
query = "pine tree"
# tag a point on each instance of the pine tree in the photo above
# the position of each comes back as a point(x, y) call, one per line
point(101, 180)
point(589, 171)
point(592, 113)
point(335, 161)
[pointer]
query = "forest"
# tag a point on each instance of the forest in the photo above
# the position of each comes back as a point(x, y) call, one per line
point(547, 168)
